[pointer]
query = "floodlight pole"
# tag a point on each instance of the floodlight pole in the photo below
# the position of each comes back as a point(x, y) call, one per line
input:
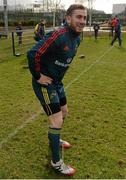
point(47, 6)
point(54, 17)
point(90, 13)
point(5, 17)
point(54, 12)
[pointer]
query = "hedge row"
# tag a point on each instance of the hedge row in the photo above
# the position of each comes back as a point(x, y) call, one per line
point(27, 23)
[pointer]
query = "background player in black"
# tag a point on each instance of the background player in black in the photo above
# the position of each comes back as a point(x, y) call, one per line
point(48, 62)
point(96, 29)
point(19, 32)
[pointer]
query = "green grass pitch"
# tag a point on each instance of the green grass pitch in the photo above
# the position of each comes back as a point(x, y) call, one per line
point(96, 124)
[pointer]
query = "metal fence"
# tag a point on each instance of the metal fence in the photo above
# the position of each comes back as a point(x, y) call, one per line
point(20, 45)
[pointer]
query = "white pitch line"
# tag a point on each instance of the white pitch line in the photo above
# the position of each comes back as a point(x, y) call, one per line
point(88, 68)
point(33, 117)
point(12, 134)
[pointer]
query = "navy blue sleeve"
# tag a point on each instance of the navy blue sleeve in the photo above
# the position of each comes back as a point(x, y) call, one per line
point(37, 54)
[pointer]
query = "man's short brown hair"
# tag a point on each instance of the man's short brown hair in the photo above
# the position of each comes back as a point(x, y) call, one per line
point(74, 7)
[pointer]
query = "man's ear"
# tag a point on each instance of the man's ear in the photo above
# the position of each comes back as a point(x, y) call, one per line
point(68, 19)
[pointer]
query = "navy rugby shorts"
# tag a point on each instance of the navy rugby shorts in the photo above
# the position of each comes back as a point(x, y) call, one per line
point(51, 96)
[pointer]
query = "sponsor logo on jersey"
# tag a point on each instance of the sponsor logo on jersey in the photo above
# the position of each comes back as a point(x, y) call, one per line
point(63, 64)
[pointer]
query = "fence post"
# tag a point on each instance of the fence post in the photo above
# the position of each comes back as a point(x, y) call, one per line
point(82, 35)
point(13, 44)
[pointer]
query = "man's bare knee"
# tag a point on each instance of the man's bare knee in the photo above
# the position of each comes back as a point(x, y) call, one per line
point(56, 120)
point(64, 111)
